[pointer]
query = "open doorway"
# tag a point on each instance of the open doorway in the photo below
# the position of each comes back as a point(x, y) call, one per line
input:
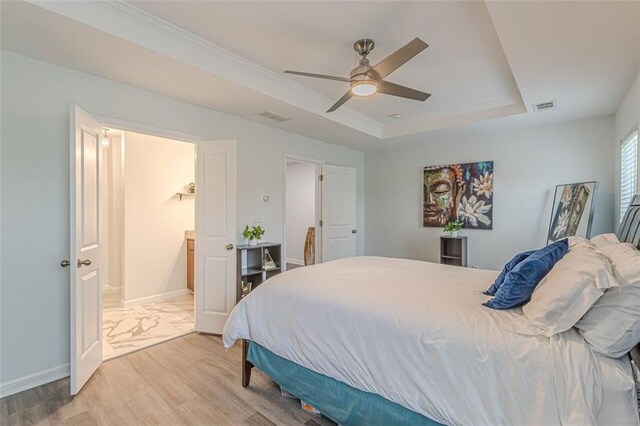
point(215, 228)
point(302, 212)
point(147, 224)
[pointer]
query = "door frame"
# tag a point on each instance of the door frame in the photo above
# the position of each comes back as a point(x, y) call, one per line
point(318, 208)
point(131, 126)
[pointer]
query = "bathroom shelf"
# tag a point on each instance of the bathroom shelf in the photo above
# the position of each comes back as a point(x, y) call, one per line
point(182, 194)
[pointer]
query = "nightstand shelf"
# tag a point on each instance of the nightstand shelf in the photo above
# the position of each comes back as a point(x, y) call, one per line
point(250, 265)
point(453, 251)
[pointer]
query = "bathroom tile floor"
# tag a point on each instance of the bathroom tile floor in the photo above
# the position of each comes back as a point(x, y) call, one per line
point(135, 327)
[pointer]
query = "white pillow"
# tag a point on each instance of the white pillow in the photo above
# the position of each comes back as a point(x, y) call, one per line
point(574, 284)
point(612, 325)
point(605, 240)
point(625, 259)
point(577, 242)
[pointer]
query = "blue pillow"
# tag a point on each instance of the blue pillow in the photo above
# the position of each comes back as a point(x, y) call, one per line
point(491, 291)
point(519, 283)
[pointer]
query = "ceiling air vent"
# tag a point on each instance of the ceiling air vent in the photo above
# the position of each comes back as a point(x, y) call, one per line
point(274, 116)
point(544, 106)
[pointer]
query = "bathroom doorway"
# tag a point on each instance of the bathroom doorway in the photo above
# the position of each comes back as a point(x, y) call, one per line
point(148, 222)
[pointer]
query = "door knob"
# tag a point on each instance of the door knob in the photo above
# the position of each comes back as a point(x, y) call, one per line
point(65, 263)
point(85, 262)
point(229, 247)
point(353, 231)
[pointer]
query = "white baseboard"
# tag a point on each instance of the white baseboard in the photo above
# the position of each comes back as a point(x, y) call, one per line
point(296, 262)
point(157, 297)
point(109, 289)
point(33, 380)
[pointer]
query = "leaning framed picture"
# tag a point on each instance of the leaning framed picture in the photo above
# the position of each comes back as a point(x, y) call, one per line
point(572, 211)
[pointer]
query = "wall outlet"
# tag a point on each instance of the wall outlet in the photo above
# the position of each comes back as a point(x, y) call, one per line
point(256, 221)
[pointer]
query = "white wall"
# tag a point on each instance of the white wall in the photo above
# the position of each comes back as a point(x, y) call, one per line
point(114, 185)
point(627, 118)
point(301, 211)
point(155, 219)
point(36, 96)
point(528, 164)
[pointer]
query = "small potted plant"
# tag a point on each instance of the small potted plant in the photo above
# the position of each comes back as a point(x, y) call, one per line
point(452, 228)
point(247, 234)
point(257, 232)
point(254, 235)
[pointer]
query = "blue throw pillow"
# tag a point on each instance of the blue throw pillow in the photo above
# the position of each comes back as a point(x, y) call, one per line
point(491, 291)
point(519, 283)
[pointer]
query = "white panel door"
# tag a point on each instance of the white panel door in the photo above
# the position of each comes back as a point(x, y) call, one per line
point(338, 212)
point(86, 297)
point(215, 234)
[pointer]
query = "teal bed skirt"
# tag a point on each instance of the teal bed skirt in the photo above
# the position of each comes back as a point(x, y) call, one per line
point(338, 401)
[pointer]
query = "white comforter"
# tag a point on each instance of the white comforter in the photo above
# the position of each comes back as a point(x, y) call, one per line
point(416, 333)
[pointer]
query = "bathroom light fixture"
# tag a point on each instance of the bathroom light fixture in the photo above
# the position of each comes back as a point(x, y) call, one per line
point(105, 141)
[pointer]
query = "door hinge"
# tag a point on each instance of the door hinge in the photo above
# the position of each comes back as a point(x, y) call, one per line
point(321, 178)
point(320, 222)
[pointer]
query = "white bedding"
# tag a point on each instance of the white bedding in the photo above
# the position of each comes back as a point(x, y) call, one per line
point(416, 333)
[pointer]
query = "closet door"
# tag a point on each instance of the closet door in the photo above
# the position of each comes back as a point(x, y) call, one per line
point(338, 212)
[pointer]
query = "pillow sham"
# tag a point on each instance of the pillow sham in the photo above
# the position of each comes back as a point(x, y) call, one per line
point(570, 289)
point(577, 241)
point(604, 240)
point(520, 282)
point(625, 258)
point(491, 291)
point(612, 325)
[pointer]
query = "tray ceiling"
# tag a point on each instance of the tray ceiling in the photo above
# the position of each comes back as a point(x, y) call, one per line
point(485, 60)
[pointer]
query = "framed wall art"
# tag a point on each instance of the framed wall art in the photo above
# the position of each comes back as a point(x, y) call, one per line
point(572, 211)
point(458, 192)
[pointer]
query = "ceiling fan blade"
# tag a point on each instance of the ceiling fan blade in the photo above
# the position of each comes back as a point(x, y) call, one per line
point(399, 57)
point(342, 100)
point(326, 77)
point(389, 88)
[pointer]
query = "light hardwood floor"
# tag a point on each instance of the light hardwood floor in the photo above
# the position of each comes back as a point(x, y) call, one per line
point(190, 380)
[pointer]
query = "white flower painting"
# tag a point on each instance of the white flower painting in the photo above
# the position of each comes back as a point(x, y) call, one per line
point(572, 212)
point(474, 211)
point(484, 184)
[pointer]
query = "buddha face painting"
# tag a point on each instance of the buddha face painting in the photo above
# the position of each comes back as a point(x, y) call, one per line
point(443, 187)
point(461, 192)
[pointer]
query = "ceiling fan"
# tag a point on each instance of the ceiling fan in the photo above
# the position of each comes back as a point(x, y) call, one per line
point(365, 80)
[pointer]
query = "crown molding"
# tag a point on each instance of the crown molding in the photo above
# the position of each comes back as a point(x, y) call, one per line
point(137, 26)
point(125, 21)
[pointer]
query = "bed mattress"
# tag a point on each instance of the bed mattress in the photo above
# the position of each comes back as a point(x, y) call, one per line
point(416, 334)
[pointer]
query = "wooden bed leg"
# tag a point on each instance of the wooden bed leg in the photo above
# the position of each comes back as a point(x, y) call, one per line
point(246, 365)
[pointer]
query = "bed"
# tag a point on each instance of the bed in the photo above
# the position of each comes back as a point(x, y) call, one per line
point(373, 340)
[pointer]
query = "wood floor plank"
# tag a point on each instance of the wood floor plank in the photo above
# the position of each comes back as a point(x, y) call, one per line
point(191, 380)
point(257, 419)
point(168, 385)
point(200, 411)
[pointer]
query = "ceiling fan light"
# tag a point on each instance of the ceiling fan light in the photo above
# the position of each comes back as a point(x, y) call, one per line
point(364, 88)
